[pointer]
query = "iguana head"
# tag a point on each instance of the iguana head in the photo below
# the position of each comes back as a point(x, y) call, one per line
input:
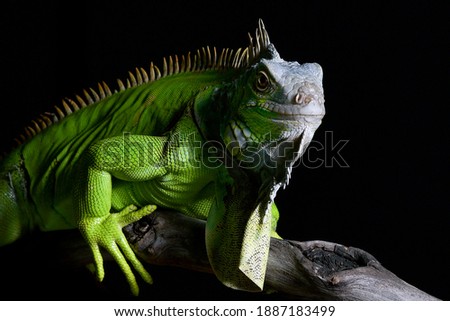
point(265, 111)
point(271, 110)
point(277, 106)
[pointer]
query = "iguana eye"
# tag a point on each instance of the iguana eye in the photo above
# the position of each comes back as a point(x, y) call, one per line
point(262, 81)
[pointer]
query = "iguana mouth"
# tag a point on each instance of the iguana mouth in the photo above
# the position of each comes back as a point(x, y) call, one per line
point(310, 109)
point(305, 100)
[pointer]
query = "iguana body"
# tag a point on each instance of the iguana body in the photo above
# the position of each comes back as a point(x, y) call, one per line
point(213, 136)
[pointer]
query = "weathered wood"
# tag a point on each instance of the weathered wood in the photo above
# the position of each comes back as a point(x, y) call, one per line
point(329, 271)
point(314, 270)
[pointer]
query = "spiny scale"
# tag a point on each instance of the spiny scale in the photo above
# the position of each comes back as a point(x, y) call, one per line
point(203, 59)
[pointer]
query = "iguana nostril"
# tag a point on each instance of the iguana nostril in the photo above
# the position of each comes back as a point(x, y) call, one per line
point(300, 99)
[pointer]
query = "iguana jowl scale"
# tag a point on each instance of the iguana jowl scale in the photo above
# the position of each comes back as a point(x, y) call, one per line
point(213, 136)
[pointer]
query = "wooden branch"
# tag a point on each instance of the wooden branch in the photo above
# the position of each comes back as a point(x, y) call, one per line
point(314, 270)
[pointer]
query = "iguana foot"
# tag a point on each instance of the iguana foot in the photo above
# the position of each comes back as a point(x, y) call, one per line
point(106, 232)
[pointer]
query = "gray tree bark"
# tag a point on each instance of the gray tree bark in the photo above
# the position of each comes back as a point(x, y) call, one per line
point(314, 270)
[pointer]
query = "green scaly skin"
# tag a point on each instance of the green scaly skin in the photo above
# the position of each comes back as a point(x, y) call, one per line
point(214, 140)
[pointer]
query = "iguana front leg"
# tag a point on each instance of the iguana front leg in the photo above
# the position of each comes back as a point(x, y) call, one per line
point(238, 245)
point(238, 232)
point(136, 158)
point(106, 232)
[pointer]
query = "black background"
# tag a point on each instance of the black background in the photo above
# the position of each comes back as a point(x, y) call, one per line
point(386, 90)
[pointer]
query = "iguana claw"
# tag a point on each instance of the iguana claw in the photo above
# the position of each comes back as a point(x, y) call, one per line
point(106, 232)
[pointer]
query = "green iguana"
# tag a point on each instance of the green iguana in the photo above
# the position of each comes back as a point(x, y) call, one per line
point(214, 136)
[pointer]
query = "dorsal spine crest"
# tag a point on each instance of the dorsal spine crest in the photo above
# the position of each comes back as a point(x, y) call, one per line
point(203, 59)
